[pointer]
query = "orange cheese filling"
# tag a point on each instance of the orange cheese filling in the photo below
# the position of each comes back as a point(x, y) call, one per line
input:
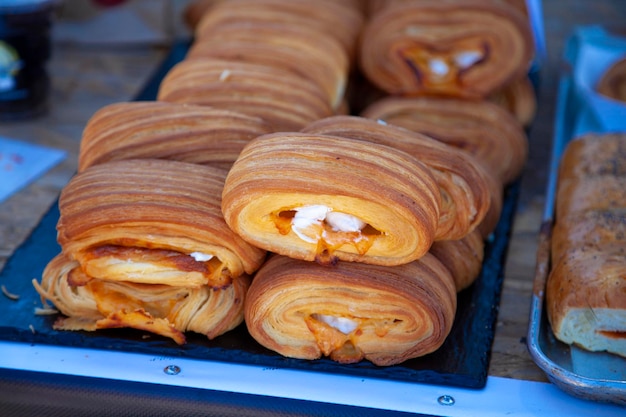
point(328, 238)
point(153, 266)
point(339, 342)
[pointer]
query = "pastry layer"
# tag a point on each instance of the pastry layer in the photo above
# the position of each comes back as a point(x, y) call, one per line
point(351, 311)
point(325, 198)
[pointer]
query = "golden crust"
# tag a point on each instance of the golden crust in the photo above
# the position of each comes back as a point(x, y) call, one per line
point(161, 130)
point(247, 88)
point(463, 257)
point(612, 82)
point(160, 309)
point(586, 297)
point(456, 47)
point(519, 98)
point(382, 186)
point(483, 129)
point(401, 312)
point(151, 204)
point(462, 181)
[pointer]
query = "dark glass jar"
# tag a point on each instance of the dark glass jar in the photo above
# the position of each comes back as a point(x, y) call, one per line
point(25, 48)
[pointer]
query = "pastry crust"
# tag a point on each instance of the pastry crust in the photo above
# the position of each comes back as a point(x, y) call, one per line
point(279, 192)
point(352, 311)
point(462, 182)
point(586, 287)
point(248, 88)
point(339, 21)
point(165, 310)
point(612, 82)
point(463, 257)
point(586, 298)
point(161, 130)
point(153, 222)
point(483, 129)
point(519, 98)
point(455, 48)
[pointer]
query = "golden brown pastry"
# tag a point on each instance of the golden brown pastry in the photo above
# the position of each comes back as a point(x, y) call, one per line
point(463, 257)
point(352, 311)
point(152, 129)
point(483, 129)
point(519, 98)
point(327, 19)
point(283, 99)
point(170, 311)
point(461, 48)
point(152, 221)
point(462, 182)
point(612, 82)
point(326, 198)
point(298, 50)
point(586, 297)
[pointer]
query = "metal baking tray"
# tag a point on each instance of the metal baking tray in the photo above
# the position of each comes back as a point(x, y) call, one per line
point(594, 376)
point(462, 361)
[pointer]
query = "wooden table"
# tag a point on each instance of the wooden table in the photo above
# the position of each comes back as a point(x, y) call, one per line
point(86, 79)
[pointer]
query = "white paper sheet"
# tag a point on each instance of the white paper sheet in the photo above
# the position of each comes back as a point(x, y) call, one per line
point(22, 162)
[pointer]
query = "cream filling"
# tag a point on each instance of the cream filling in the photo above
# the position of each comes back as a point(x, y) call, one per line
point(466, 59)
point(343, 324)
point(201, 257)
point(438, 66)
point(308, 222)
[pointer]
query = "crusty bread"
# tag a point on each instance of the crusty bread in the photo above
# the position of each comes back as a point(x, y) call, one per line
point(586, 288)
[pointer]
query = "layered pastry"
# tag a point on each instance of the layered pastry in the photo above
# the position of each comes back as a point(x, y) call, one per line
point(612, 82)
point(519, 98)
point(483, 129)
point(283, 99)
point(340, 21)
point(463, 184)
point(314, 56)
point(586, 287)
point(162, 130)
point(351, 312)
point(454, 48)
point(463, 257)
point(326, 198)
point(91, 304)
point(130, 227)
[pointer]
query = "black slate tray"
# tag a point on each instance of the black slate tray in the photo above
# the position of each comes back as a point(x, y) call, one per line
point(462, 361)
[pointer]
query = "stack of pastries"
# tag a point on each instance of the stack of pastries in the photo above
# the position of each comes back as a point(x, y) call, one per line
point(586, 287)
point(248, 192)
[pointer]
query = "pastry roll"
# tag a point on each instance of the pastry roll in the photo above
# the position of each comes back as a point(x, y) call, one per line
point(455, 48)
point(463, 257)
point(299, 51)
point(352, 311)
point(325, 198)
point(152, 129)
point(484, 129)
point(338, 20)
point(463, 184)
point(152, 221)
point(519, 98)
point(170, 311)
point(283, 99)
point(586, 297)
point(612, 82)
